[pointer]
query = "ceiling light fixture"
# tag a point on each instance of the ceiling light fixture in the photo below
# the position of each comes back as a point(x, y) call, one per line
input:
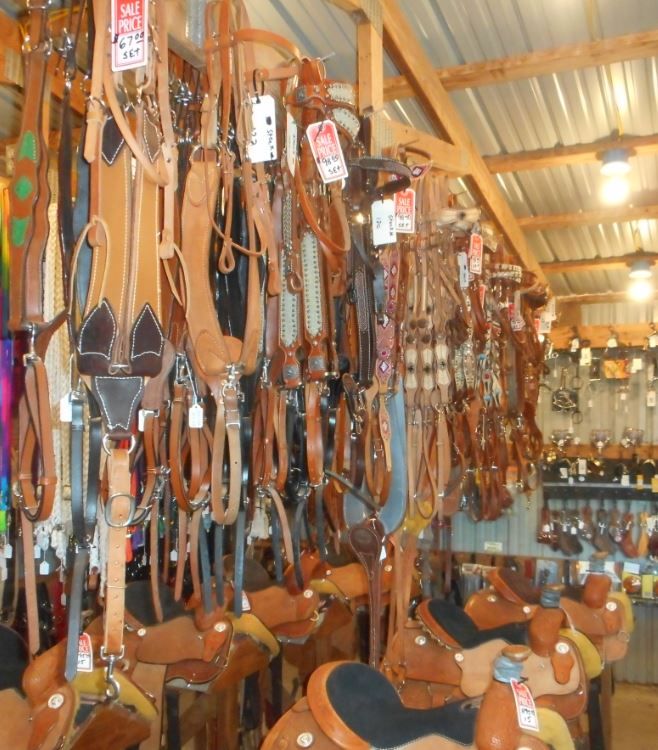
point(615, 168)
point(615, 162)
point(641, 287)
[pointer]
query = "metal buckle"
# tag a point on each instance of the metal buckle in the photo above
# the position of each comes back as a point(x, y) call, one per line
point(130, 521)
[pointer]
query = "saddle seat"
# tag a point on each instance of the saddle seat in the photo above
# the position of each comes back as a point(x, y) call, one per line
point(454, 628)
point(357, 707)
point(514, 586)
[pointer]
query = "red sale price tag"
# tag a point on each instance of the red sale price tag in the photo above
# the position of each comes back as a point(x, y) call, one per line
point(327, 151)
point(405, 211)
point(129, 34)
point(475, 253)
point(526, 713)
point(85, 653)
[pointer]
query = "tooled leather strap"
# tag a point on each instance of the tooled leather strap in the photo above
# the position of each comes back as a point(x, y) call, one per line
point(29, 194)
point(367, 540)
point(119, 508)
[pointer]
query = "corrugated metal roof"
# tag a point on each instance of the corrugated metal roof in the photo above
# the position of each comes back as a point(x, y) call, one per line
point(567, 108)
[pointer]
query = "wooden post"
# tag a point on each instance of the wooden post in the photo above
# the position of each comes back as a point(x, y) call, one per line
point(370, 69)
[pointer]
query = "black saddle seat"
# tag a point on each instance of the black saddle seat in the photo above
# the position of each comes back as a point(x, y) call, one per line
point(461, 628)
point(139, 602)
point(14, 658)
point(370, 706)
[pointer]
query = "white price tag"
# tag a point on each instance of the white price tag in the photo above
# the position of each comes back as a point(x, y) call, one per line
point(291, 143)
point(262, 144)
point(141, 418)
point(582, 466)
point(464, 274)
point(612, 343)
point(405, 211)
point(623, 395)
point(585, 356)
point(526, 712)
point(550, 308)
point(246, 604)
point(65, 408)
point(651, 398)
point(85, 653)
point(8, 551)
point(564, 472)
point(545, 323)
point(382, 214)
point(195, 416)
point(636, 364)
point(625, 480)
point(575, 345)
point(129, 27)
point(44, 568)
point(653, 341)
point(327, 151)
point(173, 555)
point(475, 253)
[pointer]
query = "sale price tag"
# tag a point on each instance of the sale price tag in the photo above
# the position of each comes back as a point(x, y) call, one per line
point(383, 222)
point(475, 253)
point(262, 144)
point(85, 653)
point(405, 211)
point(129, 39)
point(526, 713)
point(327, 151)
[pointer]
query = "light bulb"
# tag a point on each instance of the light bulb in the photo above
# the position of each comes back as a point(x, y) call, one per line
point(640, 290)
point(615, 190)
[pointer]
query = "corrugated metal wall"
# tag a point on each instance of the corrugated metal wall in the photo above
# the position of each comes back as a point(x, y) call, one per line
point(605, 404)
point(517, 530)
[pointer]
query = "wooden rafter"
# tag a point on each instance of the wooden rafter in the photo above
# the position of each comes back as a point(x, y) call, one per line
point(593, 299)
point(631, 334)
point(579, 153)
point(581, 218)
point(596, 264)
point(445, 156)
point(544, 62)
point(408, 55)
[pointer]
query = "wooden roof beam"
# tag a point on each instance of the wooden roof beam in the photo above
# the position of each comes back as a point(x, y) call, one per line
point(408, 55)
point(596, 264)
point(595, 299)
point(531, 64)
point(445, 156)
point(609, 215)
point(579, 153)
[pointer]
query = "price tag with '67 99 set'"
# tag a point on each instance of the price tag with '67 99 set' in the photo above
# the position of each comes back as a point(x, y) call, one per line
point(129, 34)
